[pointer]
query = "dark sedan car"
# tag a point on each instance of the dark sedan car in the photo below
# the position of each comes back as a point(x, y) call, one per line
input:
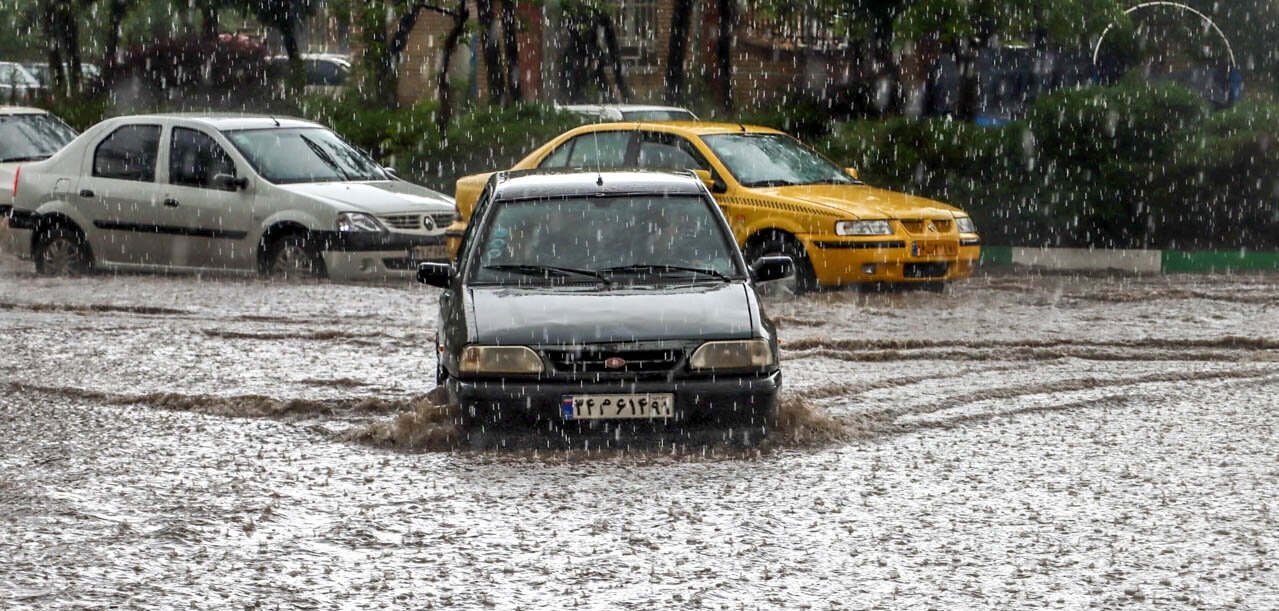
point(614, 302)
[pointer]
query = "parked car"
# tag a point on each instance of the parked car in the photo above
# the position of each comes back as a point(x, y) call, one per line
point(26, 134)
point(326, 73)
point(614, 301)
point(17, 85)
point(40, 70)
point(781, 198)
point(630, 112)
point(223, 192)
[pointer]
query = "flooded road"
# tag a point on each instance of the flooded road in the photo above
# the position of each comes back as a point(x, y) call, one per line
point(1017, 442)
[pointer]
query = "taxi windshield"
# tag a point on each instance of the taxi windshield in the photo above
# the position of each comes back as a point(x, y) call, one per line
point(773, 160)
point(604, 239)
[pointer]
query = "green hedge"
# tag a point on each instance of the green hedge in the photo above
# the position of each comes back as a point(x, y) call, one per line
point(1132, 166)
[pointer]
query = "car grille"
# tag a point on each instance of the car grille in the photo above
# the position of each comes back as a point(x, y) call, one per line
point(920, 226)
point(413, 222)
point(593, 360)
point(925, 270)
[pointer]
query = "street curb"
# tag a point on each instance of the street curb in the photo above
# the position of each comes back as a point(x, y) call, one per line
point(1131, 261)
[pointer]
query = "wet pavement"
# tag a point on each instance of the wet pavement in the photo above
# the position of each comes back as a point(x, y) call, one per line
point(1019, 441)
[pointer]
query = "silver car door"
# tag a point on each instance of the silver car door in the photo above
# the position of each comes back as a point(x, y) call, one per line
point(214, 211)
point(117, 194)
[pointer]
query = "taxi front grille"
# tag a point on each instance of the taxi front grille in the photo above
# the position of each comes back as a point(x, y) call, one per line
point(604, 361)
point(925, 270)
point(921, 226)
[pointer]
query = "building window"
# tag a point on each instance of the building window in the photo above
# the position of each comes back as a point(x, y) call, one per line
point(637, 32)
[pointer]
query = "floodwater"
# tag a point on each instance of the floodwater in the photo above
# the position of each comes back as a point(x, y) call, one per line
point(1020, 441)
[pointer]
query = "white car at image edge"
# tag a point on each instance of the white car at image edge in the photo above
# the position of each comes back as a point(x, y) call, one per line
point(234, 193)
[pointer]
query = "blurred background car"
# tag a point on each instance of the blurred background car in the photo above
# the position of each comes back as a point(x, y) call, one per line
point(630, 112)
point(236, 193)
point(18, 85)
point(326, 73)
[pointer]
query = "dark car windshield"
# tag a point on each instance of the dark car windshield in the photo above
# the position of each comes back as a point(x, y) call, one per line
point(773, 160)
point(31, 137)
point(621, 239)
point(303, 154)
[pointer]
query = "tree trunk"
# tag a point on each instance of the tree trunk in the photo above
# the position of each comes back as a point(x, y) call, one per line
point(681, 19)
point(614, 56)
point(494, 73)
point(297, 72)
point(724, 52)
point(116, 12)
point(445, 114)
point(510, 31)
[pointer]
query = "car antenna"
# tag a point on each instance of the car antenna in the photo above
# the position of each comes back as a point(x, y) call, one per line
point(742, 126)
point(277, 121)
point(599, 179)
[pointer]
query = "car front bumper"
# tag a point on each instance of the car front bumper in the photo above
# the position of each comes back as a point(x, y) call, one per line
point(890, 259)
point(379, 256)
point(736, 401)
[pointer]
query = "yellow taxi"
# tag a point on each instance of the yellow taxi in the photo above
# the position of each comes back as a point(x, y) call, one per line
point(780, 197)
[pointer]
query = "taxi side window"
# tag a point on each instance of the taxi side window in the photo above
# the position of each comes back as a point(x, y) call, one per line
point(662, 151)
point(596, 150)
point(129, 153)
point(195, 158)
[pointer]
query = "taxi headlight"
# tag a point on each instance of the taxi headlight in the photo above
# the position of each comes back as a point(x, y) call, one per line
point(881, 227)
point(737, 354)
point(965, 224)
point(499, 359)
point(358, 221)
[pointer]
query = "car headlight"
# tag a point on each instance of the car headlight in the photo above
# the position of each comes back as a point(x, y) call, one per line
point(500, 359)
point(737, 354)
point(358, 221)
point(881, 227)
point(965, 224)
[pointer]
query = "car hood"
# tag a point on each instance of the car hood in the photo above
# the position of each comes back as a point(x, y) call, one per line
point(863, 201)
point(375, 197)
point(577, 315)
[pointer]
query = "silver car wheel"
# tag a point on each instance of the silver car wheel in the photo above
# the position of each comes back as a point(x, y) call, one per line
point(61, 252)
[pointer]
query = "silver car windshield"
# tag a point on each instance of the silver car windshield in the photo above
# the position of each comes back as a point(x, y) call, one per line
point(773, 160)
point(303, 154)
point(31, 137)
point(621, 239)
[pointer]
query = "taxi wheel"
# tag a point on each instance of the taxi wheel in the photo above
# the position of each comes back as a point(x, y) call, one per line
point(62, 251)
point(293, 255)
point(805, 279)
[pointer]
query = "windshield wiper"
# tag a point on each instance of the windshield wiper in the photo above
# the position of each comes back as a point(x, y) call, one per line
point(324, 156)
point(774, 182)
point(640, 268)
point(27, 158)
point(548, 270)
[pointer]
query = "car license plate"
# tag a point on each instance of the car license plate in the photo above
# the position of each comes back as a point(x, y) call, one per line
point(429, 252)
point(934, 249)
point(596, 407)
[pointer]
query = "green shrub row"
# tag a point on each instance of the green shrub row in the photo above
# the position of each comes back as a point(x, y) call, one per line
point(1133, 166)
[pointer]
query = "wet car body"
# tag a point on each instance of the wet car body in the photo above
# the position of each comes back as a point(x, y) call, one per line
point(188, 192)
point(605, 337)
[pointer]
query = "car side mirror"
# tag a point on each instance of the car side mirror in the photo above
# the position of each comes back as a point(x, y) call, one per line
point(852, 172)
point(390, 171)
point(228, 182)
point(713, 182)
point(435, 274)
point(766, 269)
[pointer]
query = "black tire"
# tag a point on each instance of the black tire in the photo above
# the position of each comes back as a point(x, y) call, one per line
point(292, 256)
point(937, 286)
point(61, 250)
point(775, 243)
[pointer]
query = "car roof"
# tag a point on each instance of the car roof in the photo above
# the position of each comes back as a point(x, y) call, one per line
point(21, 110)
point(700, 128)
point(224, 121)
point(530, 184)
